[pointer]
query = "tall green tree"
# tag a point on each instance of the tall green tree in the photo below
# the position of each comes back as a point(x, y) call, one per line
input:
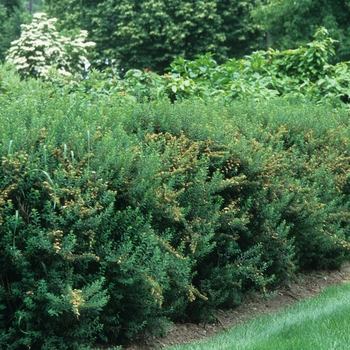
point(291, 23)
point(151, 33)
point(12, 14)
point(37, 5)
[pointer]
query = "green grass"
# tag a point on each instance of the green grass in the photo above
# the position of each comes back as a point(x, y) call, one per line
point(322, 323)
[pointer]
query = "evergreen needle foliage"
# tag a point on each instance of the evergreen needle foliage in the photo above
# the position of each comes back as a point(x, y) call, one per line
point(117, 216)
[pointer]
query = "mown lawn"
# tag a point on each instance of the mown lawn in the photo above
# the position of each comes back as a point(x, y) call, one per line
point(322, 323)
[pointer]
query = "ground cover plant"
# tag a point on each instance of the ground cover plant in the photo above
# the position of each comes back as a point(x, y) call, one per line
point(320, 323)
point(117, 216)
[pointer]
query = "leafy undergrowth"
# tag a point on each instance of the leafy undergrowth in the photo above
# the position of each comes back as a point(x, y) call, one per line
point(306, 72)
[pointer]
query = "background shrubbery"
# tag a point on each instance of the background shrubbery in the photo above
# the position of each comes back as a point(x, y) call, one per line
point(305, 72)
point(116, 216)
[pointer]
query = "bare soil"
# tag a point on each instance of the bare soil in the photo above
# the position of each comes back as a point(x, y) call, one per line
point(308, 285)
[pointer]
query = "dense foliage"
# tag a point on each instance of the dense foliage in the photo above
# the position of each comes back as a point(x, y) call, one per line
point(116, 216)
point(12, 15)
point(305, 72)
point(140, 34)
point(130, 199)
point(291, 23)
point(153, 33)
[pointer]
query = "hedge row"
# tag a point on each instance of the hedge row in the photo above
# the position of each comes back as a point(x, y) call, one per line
point(116, 216)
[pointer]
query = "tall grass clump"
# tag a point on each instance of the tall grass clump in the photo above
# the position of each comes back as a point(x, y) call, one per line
point(117, 216)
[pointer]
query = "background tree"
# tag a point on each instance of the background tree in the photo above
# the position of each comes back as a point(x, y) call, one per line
point(292, 23)
point(12, 14)
point(37, 5)
point(152, 33)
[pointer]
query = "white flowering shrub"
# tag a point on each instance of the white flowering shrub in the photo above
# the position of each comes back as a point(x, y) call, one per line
point(42, 48)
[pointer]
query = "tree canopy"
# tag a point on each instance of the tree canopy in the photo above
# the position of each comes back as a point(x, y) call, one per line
point(152, 33)
point(292, 23)
point(12, 14)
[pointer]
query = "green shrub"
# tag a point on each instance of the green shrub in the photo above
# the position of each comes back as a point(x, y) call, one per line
point(305, 72)
point(117, 216)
